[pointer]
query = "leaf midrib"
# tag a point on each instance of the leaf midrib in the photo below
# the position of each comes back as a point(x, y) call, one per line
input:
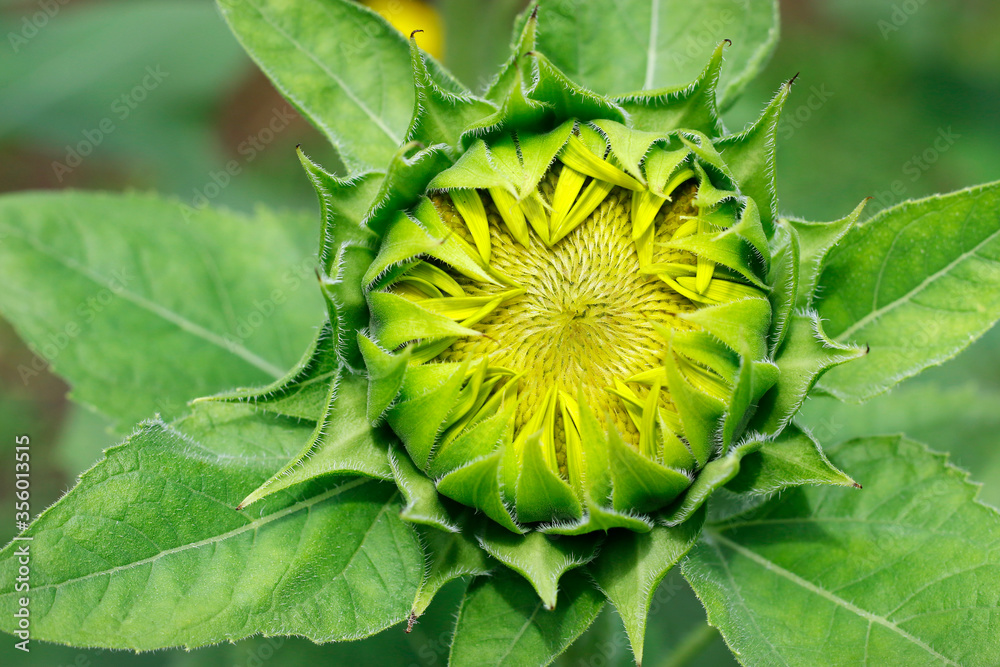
point(252, 525)
point(326, 70)
point(517, 637)
point(924, 284)
point(177, 319)
point(776, 569)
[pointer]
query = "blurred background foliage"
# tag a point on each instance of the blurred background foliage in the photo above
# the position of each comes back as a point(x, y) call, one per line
point(896, 99)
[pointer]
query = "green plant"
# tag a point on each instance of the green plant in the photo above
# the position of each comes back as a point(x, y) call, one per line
point(410, 446)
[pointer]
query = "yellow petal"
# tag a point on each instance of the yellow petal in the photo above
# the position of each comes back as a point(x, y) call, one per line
point(647, 426)
point(534, 211)
point(567, 188)
point(595, 193)
point(471, 208)
point(722, 291)
point(511, 213)
point(576, 155)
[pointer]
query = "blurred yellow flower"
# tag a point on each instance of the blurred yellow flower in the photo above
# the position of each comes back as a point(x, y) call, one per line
point(409, 15)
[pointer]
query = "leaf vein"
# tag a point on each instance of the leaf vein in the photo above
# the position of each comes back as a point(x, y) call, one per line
point(773, 567)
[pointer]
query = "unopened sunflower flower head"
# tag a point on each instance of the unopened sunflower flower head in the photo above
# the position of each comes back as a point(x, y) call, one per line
point(564, 305)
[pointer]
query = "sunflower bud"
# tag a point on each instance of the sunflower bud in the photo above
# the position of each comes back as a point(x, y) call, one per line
point(571, 320)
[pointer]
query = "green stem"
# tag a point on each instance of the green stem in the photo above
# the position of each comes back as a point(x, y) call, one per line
point(694, 642)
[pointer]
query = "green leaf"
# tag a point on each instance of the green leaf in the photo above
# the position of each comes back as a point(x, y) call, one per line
point(477, 484)
point(346, 250)
point(342, 442)
point(750, 154)
point(815, 240)
point(541, 494)
point(783, 277)
point(917, 283)
point(148, 551)
point(906, 571)
point(793, 458)
point(539, 558)
point(343, 204)
point(691, 106)
point(640, 483)
point(502, 621)
point(341, 65)
point(631, 566)
point(621, 47)
point(440, 116)
point(143, 303)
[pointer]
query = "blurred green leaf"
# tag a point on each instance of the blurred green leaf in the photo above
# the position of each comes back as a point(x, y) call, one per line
point(143, 304)
point(148, 551)
point(906, 571)
point(622, 47)
point(917, 283)
point(79, 94)
point(85, 64)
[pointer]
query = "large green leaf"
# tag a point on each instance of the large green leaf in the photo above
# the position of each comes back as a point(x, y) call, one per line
point(148, 551)
point(622, 47)
point(917, 283)
point(143, 304)
point(906, 571)
point(339, 63)
point(503, 622)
